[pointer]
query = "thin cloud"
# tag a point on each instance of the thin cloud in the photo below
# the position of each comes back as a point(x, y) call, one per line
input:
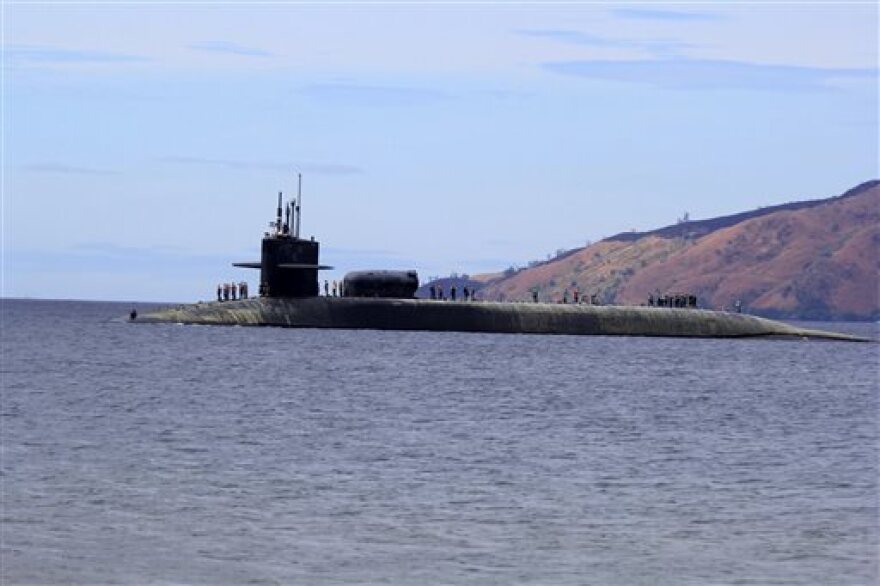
point(329, 169)
point(683, 73)
point(225, 163)
point(229, 48)
point(62, 169)
point(111, 249)
point(42, 54)
point(368, 258)
point(669, 15)
point(316, 168)
point(657, 46)
point(103, 256)
point(360, 253)
point(367, 95)
point(503, 95)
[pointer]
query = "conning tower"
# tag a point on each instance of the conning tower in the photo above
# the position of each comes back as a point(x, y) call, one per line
point(288, 264)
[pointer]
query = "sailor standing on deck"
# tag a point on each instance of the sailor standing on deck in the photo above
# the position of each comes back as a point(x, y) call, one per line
point(219, 292)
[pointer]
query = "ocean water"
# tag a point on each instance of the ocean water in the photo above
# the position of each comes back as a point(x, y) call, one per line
point(155, 454)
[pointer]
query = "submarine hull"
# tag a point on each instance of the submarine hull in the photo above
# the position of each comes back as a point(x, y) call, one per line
point(488, 317)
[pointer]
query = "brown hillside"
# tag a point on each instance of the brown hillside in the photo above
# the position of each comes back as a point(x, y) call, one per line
point(818, 261)
point(600, 268)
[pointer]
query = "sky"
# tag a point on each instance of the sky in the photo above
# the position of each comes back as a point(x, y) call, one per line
point(144, 144)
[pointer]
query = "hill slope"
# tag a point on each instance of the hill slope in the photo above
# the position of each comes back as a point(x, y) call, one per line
point(810, 260)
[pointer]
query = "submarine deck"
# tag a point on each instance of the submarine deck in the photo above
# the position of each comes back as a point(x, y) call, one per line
point(482, 316)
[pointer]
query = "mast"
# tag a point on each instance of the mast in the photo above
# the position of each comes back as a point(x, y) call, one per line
point(278, 217)
point(298, 202)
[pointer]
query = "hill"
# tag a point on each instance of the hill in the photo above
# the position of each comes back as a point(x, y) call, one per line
point(814, 259)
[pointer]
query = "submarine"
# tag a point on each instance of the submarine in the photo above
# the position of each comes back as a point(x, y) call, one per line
point(289, 296)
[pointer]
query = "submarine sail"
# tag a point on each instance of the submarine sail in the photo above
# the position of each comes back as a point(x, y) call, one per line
point(288, 264)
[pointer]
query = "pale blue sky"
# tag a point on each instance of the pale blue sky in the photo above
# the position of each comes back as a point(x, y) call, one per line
point(144, 145)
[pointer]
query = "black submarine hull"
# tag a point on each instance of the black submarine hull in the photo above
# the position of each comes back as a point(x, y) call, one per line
point(488, 317)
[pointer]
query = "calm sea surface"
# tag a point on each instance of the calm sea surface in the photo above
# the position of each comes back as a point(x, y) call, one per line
point(186, 454)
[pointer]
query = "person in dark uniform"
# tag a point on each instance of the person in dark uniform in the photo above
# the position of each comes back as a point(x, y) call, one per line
point(220, 292)
point(452, 292)
point(433, 290)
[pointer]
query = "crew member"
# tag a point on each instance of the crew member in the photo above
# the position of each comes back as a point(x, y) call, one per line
point(452, 292)
point(219, 292)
